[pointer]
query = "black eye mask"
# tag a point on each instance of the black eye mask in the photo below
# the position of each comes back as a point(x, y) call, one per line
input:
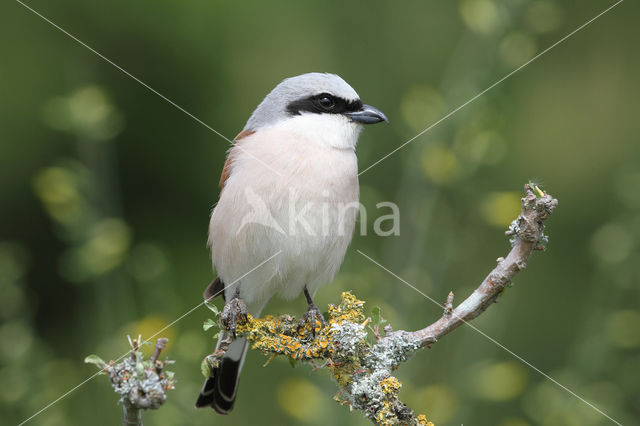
point(316, 104)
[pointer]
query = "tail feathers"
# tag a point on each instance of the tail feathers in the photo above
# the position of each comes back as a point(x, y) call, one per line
point(219, 391)
point(213, 290)
point(226, 386)
point(206, 394)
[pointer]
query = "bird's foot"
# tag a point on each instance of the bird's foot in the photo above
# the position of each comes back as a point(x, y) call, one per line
point(234, 310)
point(314, 318)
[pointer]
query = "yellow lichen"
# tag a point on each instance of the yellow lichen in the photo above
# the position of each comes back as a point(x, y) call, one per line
point(282, 336)
point(349, 310)
point(422, 420)
point(385, 415)
point(390, 385)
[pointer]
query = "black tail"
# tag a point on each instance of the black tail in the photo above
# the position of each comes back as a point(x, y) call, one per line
point(219, 391)
point(206, 394)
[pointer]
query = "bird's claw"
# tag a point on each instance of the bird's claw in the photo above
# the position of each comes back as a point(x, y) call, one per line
point(232, 312)
point(312, 317)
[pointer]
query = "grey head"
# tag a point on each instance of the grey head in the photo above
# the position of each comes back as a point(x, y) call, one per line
point(312, 93)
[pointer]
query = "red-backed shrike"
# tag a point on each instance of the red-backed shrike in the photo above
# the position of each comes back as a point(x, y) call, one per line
point(289, 186)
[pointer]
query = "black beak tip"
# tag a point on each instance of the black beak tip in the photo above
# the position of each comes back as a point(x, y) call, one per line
point(368, 115)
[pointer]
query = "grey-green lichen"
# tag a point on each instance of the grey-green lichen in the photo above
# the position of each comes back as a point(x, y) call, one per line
point(520, 229)
point(391, 351)
point(140, 382)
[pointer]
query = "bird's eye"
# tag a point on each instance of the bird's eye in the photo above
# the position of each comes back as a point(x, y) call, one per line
point(326, 102)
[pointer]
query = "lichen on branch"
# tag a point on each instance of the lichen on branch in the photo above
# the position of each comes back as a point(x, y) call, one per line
point(360, 356)
point(141, 383)
point(361, 369)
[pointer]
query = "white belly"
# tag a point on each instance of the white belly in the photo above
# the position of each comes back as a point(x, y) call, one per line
point(307, 215)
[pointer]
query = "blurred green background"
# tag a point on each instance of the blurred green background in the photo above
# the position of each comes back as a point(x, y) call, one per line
point(106, 191)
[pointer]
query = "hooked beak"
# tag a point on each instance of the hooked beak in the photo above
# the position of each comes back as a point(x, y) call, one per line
point(367, 115)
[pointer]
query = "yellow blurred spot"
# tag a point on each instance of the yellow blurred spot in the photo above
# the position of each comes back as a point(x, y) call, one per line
point(500, 208)
point(300, 399)
point(421, 106)
point(480, 146)
point(148, 327)
point(105, 249)
point(624, 328)
point(110, 237)
point(543, 16)
point(89, 106)
point(612, 243)
point(86, 112)
point(481, 16)
point(500, 382)
point(439, 163)
point(56, 187)
point(439, 402)
point(517, 48)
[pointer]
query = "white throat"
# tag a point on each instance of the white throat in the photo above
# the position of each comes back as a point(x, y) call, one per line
point(332, 130)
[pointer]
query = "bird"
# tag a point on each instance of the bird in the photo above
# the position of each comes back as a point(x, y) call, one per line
point(287, 208)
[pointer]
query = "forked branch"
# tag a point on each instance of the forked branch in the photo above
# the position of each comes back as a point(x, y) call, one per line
point(362, 363)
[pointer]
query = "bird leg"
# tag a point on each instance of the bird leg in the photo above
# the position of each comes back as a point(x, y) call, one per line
point(234, 310)
point(312, 316)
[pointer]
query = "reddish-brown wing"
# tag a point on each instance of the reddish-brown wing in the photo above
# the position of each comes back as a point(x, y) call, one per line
point(226, 170)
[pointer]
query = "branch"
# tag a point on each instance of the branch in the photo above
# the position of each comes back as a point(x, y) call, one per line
point(361, 367)
point(527, 234)
point(140, 383)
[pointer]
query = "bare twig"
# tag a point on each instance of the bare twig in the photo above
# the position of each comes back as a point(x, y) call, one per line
point(527, 232)
point(132, 414)
point(161, 343)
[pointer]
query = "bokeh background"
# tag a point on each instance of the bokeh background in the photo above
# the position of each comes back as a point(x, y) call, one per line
point(106, 191)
